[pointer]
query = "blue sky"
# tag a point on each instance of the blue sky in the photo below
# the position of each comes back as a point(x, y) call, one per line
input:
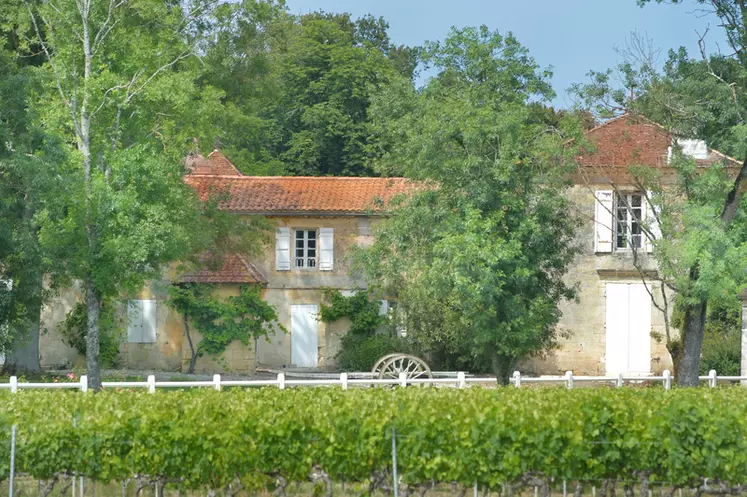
point(573, 36)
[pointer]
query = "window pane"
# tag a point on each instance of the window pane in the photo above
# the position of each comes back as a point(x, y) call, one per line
point(299, 252)
point(312, 262)
point(636, 241)
point(312, 235)
point(311, 253)
point(636, 200)
point(299, 262)
point(299, 234)
point(312, 243)
point(299, 243)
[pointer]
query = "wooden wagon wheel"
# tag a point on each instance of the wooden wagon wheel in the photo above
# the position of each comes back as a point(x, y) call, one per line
point(377, 367)
point(413, 367)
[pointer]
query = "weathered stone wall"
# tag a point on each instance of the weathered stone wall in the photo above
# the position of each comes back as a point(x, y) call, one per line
point(54, 352)
point(583, 322)
point(171, 350)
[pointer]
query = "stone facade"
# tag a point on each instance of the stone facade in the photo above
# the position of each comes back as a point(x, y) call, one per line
point(348, 206)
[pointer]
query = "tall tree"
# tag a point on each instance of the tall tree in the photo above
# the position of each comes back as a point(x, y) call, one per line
point(476, 259)
point(701, 246)
point(28, 158)
point(301, 86)
point(122, 93)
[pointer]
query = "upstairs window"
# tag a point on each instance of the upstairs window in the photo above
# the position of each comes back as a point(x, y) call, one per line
point(305, 249)
point(628, 212)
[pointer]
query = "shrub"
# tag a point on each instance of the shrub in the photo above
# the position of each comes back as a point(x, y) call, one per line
point(360, 353)
point(722, 342)
point(74, 331)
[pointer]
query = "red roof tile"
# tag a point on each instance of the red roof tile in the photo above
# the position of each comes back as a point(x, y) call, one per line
point(235, 269)
point(299, 194)
point(215, 164)
point(633, 140)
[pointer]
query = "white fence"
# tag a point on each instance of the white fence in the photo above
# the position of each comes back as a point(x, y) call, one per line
point(460, 381)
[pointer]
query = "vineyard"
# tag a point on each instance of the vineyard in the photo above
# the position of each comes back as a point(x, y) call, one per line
point(237, 442)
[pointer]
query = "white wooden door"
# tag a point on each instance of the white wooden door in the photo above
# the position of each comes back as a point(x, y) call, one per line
point(628, 323)
point(304, 335)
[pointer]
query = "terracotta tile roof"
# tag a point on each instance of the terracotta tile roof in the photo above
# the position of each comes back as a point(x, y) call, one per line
point(300, 194)
point(634, 140)
point(215, 164)
point(235, 269)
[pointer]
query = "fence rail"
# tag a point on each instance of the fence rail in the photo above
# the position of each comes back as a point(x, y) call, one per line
point(461, 380)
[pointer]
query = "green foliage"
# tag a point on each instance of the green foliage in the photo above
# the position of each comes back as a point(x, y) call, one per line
point(75, 328)
point(360, 353)
point(359, 308)
point(476, 259)
point(722, 343)
point(243, 317)
point(361, 346)
point(301, 85)
point(484, 436)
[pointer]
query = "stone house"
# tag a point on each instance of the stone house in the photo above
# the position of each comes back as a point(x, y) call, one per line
point(616, 327)
point(317, 220)
point(610, 329)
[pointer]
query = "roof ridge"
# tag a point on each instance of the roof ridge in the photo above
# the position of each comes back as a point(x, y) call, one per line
point(305, 178)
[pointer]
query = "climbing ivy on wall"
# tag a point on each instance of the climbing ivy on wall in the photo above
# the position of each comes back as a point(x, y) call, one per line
point(362, 311)
point(361, 347)
point(243, 317)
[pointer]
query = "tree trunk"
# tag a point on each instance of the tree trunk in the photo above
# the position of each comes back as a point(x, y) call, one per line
point(193, 356)
point(502, 366)
point(93, 306)
point(23, 356)
point(688, 367)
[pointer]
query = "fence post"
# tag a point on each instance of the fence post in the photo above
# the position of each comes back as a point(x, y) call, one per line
point(151, 384)
point(402, 379)
point(344, 380)
point(461, 379)
point(620, 382)
point(281, 381)
point(12, 459)
point(474, 492)
point(83, 383)
point(569, 379)
point(667, 379)
point(712, 378)
point(517, 379)
point(565, 489)
point(216, 382)
point(395, 483)
point(13, 384)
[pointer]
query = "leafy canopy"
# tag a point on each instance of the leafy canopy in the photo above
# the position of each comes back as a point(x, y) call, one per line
point(475, 259)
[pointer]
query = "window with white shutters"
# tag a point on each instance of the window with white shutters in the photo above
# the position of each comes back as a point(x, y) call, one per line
point(142, 321)
point(305, 249)
point(629, 213)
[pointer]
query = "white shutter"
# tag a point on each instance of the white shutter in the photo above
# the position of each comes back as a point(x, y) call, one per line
point(149, 321)
point(135, 324)
point(650, 216)
point(142, 321)
point(282, 249)
point(603, 221)
point(383, 307)
point(326, 249)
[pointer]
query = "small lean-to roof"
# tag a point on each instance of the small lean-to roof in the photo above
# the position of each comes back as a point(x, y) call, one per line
point(235, 269)
point(292, 195)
